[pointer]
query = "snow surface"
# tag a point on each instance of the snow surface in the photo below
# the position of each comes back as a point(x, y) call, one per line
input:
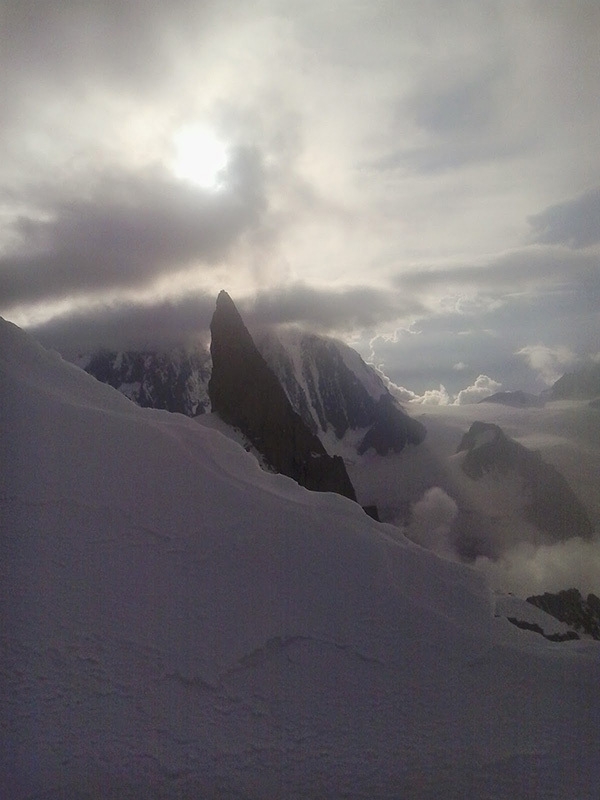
point(178, 623)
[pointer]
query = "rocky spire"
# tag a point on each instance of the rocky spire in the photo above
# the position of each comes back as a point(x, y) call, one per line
point(245, 393)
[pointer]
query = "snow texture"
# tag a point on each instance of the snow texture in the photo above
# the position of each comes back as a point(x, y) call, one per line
point(178, 623)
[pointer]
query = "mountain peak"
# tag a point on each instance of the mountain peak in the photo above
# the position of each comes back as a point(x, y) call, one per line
point(246, 393)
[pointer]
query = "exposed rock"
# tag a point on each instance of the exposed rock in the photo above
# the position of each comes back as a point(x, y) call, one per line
point(568, 636)
point(517, 399)
point(551, 505)
point(594, 403)
point(174, 380)
point(372, 511)
point(583, 384)
point(245, 393)
point(392, 429)
point(570, 607)
point(332, 388)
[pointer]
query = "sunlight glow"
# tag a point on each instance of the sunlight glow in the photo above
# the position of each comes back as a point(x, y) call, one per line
point(199, 156)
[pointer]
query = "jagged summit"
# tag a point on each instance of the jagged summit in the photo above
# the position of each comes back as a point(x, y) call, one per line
point(246, 393)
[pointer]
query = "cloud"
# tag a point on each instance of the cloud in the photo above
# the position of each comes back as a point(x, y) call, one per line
point(394, 155)
point(164, 322)
point(574, 223)
point(514, 272)
point(127, 326)
point(549, 362)
point(341, 309)
point(430, 397)
point(133, 228)
point(431, 521)
point(526, 569)
point(482, 387)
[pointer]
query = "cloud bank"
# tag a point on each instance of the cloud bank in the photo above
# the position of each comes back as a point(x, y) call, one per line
point(386, 173)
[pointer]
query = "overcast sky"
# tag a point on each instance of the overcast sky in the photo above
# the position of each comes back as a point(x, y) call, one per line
point(419, 177)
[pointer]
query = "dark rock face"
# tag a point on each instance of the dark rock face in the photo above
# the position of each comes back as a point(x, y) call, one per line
point(392, 429)
point(245, 393)
point(583, 384)
point(174, 380)
point(568, 636)
point(518, 399)
point(551, 505)
point(570, 607)
point(331, 387)
point(336, 394)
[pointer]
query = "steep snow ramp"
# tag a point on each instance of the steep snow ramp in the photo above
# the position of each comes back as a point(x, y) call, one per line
point(179, 624)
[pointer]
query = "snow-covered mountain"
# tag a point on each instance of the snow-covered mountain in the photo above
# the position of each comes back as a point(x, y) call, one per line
point(178, 623)
point(327, 383)
point(174, 380)
point(335, 392)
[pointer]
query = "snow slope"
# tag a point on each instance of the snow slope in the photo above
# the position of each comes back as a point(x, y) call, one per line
point(178, 623)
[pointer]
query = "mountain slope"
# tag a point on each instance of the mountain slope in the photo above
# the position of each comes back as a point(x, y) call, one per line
point(335, 392)
point(246, 394)
point(583, 383)
point(175, 380)
point(178, 623)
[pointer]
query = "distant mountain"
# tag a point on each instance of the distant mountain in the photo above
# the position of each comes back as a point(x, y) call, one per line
point(333, 390)
point(173, 380)
point(327, 383)
point(521, 486)
point(582, 384)
point(517, 399)
point(570, 607)
point(246, 394)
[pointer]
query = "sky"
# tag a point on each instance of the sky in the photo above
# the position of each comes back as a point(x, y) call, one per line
point(418, 177)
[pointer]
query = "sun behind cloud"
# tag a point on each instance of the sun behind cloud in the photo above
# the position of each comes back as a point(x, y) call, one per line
point(199, 156)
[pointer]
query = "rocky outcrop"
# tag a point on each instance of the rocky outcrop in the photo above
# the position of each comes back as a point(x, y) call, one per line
point(246, 394)
point(174, 380)
point(392, 429)
point(517, 399)
point(568, 636)
point(570, 607)
point(550, 503)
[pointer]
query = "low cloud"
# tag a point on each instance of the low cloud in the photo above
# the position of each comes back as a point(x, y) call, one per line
point(129, 327)
point(526, 569)
point(549, 362)
point(483, 386)
point(431, 521)
point(344, 309)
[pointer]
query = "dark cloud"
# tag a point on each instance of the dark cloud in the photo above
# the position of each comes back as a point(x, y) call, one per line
point(124, 326)
point(343, 309)
point(166, 323)
point(133, 228)
point(574, 223)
